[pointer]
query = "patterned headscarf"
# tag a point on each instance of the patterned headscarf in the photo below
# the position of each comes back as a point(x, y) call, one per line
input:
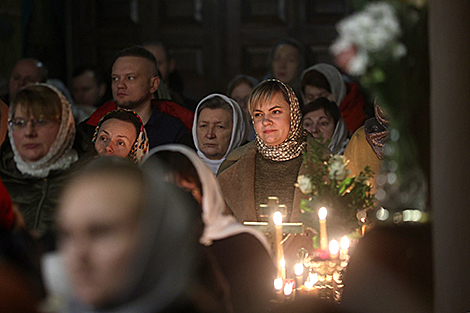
point(296, 140)
point(60, 155)
point(141, 143)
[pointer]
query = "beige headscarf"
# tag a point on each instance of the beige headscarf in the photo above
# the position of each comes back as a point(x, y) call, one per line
point(60, 155)
point(296, 140)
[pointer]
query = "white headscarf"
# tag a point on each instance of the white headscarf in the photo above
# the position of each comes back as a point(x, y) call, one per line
point(339, 140)
point(60, 155)
point(240, 130)
point(335, 79)
point(216, 225)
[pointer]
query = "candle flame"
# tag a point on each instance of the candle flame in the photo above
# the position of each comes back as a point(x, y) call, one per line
point(277, 218)
point(344, 243)
point(288, 288)
point(298, 269)
point(322, 213)
point(334, 247)
point(278, 283)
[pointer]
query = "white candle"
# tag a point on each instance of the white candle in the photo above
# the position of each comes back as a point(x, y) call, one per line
point(277, 219)
point(334, 248)
point(289, 288)
point(322, 213)
point(344, 244)
point(282, 265)
point(298, 269)
point(278, 282)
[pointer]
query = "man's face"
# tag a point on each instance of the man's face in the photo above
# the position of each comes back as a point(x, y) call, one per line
point(25, 72)
point(214, 131)
point(86, 90)
point(98, 222)
point(133, 82)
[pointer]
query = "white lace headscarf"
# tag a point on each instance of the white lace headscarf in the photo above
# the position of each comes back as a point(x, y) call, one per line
point(60, 155)
point(216, 225)
point(239, 130)
point(335, 79)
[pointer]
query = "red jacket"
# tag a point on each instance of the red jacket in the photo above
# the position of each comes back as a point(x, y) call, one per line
point(352, 107)
point(168, 107)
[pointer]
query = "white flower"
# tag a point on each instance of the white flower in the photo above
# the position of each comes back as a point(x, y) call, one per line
point(373, 30)
point(359, 63)
point(337, 165)
point(304, 184)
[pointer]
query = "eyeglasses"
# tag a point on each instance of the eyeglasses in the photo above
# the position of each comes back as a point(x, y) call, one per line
point(21, 123)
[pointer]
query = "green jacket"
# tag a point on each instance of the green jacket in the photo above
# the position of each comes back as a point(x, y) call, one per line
point(36, 198)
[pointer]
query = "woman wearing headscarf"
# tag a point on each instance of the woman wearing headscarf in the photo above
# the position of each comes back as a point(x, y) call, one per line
point(219, 127)
point(270, 165)
point(322, 119)
point(286, 61)
point(325, 80)
point(128, 242)
point(242, 253)
point(38, 155)
point(121, 133)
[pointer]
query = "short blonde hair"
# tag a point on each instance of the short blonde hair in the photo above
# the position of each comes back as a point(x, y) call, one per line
point(264, 92)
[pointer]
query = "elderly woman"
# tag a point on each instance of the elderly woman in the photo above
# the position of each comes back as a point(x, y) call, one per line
point(241, 252)
point(219, 127)
point(35, 161)
point(121, 133)
point(268, 166)
point(324, 80)
point(322, 119)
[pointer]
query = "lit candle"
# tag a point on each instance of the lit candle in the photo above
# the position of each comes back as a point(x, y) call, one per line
point(299, 271)
point(322, 213)
point(282, 265)
point(278, 282)
point(289, 287)
point(311, 280)
point(277, 219)
point(344, 244)
point(334, 249)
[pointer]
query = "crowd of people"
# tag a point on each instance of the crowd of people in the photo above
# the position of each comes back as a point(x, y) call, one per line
point(127, 196)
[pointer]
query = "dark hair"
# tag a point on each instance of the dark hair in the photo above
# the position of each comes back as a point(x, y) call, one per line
point(241, 79)
point(329, 107)
point(291, 42)
point(98, 73)
point(141, 52)
point(316, 79)
point(178, 166)
point(125, 116)
point(215, 103)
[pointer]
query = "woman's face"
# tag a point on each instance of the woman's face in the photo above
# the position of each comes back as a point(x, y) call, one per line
point(317, 122)
point(115, 137)
point(286, 62)
point(33, 137)
point(272, 120)
point(98, 219)
point(241, 93)
point(214, 132)
point(313, 92)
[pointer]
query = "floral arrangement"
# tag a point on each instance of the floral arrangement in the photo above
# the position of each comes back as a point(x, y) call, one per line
point(329, 184)
point(385, 45)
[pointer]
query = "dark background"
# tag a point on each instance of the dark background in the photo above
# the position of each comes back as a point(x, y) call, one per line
point(211, 40)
